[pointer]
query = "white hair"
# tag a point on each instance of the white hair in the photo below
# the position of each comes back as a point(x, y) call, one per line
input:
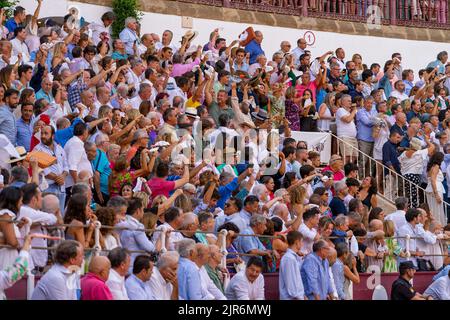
point(188, 219)
point(129, 20)
point(167, 258)
point(100, 138)
point(50, 203)
point(185, 247)
point(152, 115)
point(259, 189)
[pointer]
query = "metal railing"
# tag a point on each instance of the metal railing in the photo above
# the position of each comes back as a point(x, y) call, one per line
point(391, 185)
point(412, 13)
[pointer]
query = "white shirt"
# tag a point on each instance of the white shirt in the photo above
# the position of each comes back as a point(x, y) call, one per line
point(39, 256)
point(173, 239)
point(116, 284)
point(209, 288)
point(136, 80)
point(159, 46)
point(308, 238)
point(97, 29)
point(345, 129)
point(76, 158)
point(399, 95)
point(136, 102)
point(20, 47)
point(398, 217)
point(297, 52)
point(160, 287)
point(413, 165)
point(240, 288)
point(439, 289)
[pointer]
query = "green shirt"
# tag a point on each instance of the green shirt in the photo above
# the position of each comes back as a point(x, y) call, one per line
point(215, 111)
point(215, 277)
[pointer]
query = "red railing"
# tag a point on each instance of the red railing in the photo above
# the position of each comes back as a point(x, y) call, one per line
point(410, 13)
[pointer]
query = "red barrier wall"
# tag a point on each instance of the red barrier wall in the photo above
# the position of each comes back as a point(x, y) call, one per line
point(360, 292)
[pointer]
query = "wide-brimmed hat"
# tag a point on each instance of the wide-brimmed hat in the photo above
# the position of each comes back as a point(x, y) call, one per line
point(190, 35)
point(261, 115)
point(248, 124)
point(191, 112)
point(22, 155)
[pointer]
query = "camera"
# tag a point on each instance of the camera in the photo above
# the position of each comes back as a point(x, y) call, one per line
point(380, 122)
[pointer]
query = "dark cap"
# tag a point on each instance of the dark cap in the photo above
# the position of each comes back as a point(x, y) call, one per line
point(406, 265)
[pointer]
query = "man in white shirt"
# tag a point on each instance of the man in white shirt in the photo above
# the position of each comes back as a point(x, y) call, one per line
point(136, 74)
point(346, 128)
point(172, 222)
point(166, 40)
point(120, 262)
point(410, 229)
point(32, 203)
point(164, 282)
point(398, 216)
point(308, 229)
point(103, 96)
point(76, 155)
point(399, 91)
point(299, 50)
point(211, 292)
point(19, 45)
point(144, 94)
point(101, 31)
point(247, 284)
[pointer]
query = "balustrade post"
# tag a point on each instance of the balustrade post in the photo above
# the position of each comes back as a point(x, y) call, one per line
point(223, 248)
point(97, 246)
point(393, 12)
point(304, 11)
point(163, 239)
point(226, 3)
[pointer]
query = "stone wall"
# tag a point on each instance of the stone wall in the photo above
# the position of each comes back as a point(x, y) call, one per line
point(296, 22)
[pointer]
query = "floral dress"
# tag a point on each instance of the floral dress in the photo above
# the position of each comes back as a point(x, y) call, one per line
point(13, 273)
point(390, 261)
point(277, 109)
point(119, 180)
point(293, 114)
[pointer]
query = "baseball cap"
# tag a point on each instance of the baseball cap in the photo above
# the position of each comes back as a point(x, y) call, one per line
point(406, 265)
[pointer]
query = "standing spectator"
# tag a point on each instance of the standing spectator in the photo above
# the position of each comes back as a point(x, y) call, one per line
point(435, 188)
point(93, 285)
point(76, 156)
point(299, 51)
point(23, 125)
point(19, 46)
point(8, 125)
point(120, 262)
point(61, 282)
point(290, 280)
point(308, 229)
point(137, 283)
point(17, 20)
point(410, 228)
point(247, 284)
point(365, 120)
point(390, 160)
point(315, 276)
point(55, 174)
point(102, 169)
point(337, 204)
point(10, 202)
point(402, 288)
point(346, 129)
point(129, 36)
point(398, 216)
point(189, 280)
point(342, 271)
point(254, 47)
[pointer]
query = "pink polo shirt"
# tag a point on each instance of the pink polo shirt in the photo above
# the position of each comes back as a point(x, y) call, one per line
point(160, 186)
point(94, 288)
point(181, 68)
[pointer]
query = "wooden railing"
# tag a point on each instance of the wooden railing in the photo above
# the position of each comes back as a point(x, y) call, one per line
point(410, 13)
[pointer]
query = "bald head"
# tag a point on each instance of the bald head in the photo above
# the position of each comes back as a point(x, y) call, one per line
point(375, 225)
point(50, 204)
point(100, 266)
point(332, 256)
point(202, 254)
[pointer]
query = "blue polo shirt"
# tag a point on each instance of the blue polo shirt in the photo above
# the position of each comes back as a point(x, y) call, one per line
point(102, 165)
point(11, 25)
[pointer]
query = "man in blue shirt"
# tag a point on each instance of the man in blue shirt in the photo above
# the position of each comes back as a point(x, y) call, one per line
point(7, 120)
point(254, 47)
point(129, 36)
point(290, 280)
point(18, 19)
point(24, 128)
point(390, 157)
point(137, 283)
point(252, 245)
point(315, 276)
point(337, 205)
point(365, 120)
point(228, 184)
point(102, 170)
point(46, 91)
point(189, 282)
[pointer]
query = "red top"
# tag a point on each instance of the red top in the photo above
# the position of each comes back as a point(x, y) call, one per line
point(94, 288)
point(337, 175)
point(160, 186)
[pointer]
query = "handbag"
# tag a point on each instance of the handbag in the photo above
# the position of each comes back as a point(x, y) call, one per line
point(425, 265)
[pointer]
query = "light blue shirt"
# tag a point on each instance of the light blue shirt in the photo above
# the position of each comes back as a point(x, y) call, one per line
point(134, 240)
point(364, 124)
point(102, 165)
point(42, 95)
point(339, 278)
point(315, 276)
point(189, 282)
point(439, 289)
point(128, 37)
point(241, 219)
point(8, 124)
point(443, 272)
point(246, 244)
point(290, 279)
point(24, 133)
point(138, 289)
point(54, 285)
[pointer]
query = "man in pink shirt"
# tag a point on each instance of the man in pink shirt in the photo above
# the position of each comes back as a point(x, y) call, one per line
point(159, 184)
point(180, 68)
point(93, 285)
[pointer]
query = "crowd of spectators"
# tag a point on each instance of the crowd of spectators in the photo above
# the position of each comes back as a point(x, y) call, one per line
point(184, 154)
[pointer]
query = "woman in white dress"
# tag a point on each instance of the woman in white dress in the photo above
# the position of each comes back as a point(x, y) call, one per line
point(10, 202)
point(435, 188)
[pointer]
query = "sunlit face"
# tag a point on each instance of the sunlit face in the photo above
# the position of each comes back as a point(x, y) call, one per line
point(270, 185)
point(328, 230)
point(252, 272)
point(127, 192)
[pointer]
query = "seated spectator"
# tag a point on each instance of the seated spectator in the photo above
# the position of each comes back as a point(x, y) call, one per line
point(247, 284)
point(290, 280)
point(137, 283)
point(93, 285)
point(120, 263)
